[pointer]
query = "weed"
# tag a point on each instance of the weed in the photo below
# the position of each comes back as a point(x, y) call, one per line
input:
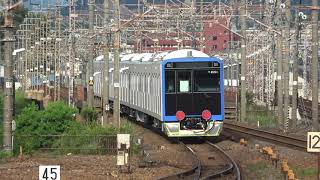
point(89, 114)
point(265, 117)
point(305, 172)
point(4, 154)
point(259, 166)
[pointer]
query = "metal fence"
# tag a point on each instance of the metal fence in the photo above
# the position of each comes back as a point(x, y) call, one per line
point(64, 144)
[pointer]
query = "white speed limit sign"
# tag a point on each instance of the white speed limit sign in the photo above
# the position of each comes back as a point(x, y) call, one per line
point(313, 144)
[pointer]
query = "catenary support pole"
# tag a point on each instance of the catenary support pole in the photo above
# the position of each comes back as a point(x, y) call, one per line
point(286, 66)
point(243, 61)
point(116, 72)
point(105, 100)
point(90, 56)
point(8, 83)
point(295, 72)
point(314, 66)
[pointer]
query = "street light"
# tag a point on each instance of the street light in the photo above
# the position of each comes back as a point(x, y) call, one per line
point(14, 53)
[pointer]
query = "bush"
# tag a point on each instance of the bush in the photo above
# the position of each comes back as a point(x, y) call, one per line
point(89, 114)
point(56, 128)
point(249, 98)
point(33, 125)
point(20, 102)
point(126, 128)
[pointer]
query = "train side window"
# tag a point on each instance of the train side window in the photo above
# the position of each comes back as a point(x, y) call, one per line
point(184, 81)
point(170, 81)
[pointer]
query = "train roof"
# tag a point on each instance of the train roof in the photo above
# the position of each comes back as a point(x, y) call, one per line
point(151, 57)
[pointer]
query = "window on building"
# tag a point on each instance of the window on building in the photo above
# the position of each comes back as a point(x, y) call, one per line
point(214, 38)
point(214, 47)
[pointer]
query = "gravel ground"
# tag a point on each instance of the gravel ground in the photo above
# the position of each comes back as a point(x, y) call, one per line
point(251, 163)
point(255, 165)
point(169, 159)
point(304, 164)
point(167, 154)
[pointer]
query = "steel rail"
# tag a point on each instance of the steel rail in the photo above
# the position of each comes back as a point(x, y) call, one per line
point(233, 167)
point(274, 137)
point(194, 171)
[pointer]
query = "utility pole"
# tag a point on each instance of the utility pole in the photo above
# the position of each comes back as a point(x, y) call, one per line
point(106, 66)
point(314, 62)
point(58, 49)
point(193, 7)
point(243, 61)
point(27, 46)
point(48, 54)
point(279, 66)
point(71, 51)
point(8, 79)
point(90, 60)
point(202, 43)
point(116, 72)
point(295, 72)
point(287, 123)
point(279, 80)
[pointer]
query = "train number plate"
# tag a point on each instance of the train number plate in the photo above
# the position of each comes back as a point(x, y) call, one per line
point(313, 144)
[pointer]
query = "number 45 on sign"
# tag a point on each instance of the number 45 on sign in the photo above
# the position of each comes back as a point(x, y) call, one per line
point(49, 172)
point(313, 144)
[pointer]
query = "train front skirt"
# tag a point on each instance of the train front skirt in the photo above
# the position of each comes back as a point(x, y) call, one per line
point(172, 129)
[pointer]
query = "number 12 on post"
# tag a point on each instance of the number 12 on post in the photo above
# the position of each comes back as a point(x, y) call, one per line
point(313, 144)
point(49, 172)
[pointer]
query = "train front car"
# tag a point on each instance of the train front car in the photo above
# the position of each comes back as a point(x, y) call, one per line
point(192, 96)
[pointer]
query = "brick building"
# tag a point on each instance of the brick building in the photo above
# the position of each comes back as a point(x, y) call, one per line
point(216, 38)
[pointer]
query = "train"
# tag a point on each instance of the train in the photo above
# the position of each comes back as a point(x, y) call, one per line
point(180, 92)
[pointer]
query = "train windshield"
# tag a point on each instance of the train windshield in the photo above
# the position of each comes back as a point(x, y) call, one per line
point(206, 80)
point(202, 80)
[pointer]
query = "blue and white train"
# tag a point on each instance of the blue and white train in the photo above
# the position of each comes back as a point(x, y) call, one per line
point(180, 92)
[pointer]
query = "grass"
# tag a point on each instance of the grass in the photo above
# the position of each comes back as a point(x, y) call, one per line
point(266, 118)
point(261, 170)
point(305, 172)
point(259, 166)
point(4, 154)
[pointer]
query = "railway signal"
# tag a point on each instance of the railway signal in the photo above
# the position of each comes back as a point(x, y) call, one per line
point(91, 82)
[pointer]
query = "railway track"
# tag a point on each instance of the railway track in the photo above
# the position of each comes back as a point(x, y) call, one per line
point(273, 137)
point(211, 162)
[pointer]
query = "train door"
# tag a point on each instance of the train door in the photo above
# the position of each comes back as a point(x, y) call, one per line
point(184, 98)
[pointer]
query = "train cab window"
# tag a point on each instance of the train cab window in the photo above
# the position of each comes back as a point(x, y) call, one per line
point(206, 80)
point(184, 81)
point(170, 81)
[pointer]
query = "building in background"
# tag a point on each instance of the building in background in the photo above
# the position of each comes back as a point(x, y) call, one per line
point(215, 37)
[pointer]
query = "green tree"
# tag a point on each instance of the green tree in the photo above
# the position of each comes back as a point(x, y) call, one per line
point(34, 126)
